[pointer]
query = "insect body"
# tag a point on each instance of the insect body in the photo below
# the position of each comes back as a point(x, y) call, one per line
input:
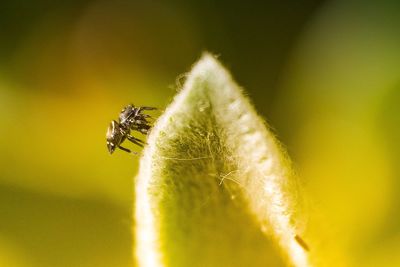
point(130, 118)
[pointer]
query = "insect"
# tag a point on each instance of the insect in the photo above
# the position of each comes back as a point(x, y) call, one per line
point(130, 118)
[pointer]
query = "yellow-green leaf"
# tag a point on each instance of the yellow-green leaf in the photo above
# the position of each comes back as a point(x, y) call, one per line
point(215, 187)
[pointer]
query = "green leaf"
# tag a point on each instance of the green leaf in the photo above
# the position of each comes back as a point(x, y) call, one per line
point(215, 187)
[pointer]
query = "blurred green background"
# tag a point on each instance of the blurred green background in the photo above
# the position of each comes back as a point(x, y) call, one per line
point(325, 74)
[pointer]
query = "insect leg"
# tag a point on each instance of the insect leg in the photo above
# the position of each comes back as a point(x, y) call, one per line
point(124, 149)
point(147, 108)
point(141, 121)
point(142, 129)
point(127, 150)
point(135, 140)
point(145, 118)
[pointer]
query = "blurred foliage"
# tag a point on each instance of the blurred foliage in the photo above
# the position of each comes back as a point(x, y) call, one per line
point(56, 231)
point(325, 74)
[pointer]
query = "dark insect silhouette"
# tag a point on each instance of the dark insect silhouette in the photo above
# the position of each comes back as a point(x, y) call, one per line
point(130, 118)
point(301, 242)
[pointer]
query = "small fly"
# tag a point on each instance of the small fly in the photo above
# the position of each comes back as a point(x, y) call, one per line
point(130, 118)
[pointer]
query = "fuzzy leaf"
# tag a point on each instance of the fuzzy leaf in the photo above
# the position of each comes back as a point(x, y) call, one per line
point(214, 186)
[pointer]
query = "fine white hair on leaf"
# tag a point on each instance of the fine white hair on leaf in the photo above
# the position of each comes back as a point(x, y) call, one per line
point(210, 129)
